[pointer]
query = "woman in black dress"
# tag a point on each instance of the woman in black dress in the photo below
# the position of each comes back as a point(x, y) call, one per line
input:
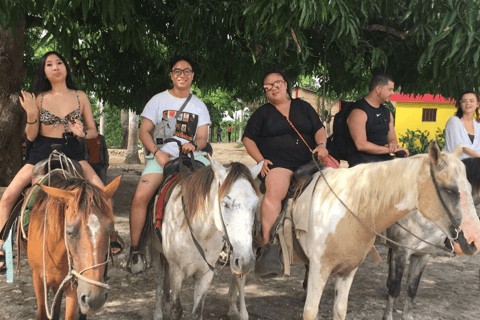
point(270, 137)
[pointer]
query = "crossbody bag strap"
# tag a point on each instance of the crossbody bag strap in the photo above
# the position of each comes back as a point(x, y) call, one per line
point(323, 162)
point(185, 103)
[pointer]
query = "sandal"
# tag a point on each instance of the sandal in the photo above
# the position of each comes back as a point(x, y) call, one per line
point(118, 243)
point(137, 262)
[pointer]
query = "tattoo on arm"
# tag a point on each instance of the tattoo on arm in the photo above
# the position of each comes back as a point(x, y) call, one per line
point(145, 181)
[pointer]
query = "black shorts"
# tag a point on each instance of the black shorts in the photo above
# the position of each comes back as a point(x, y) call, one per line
point(271, 166)
point(41, 149)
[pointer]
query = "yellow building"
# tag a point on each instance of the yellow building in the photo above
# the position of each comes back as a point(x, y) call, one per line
point(425, 112)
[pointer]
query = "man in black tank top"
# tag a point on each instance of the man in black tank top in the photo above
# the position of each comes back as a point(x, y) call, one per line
point(371, 124)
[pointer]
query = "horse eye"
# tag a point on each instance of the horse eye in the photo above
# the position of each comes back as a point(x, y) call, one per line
point(71, 231)
point(450, 191)
point(226, 205)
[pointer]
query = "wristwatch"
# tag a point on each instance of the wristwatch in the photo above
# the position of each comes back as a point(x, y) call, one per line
point(194, 144)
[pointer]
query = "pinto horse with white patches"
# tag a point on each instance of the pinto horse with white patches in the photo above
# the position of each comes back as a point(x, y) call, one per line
point(220, 204)
point(68, 239)
point(336, 242)
point(417, 238)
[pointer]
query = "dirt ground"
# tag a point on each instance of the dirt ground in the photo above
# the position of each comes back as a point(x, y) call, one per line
point(449, 288)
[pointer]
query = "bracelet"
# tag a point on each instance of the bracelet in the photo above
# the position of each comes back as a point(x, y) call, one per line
point(85, 131)
point(155, 152)
point(322, 144)
point(32, 122)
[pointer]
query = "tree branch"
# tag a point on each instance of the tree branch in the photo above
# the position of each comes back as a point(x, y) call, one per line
point(377, 27)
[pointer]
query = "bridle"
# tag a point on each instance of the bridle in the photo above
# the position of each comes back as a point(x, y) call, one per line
point(226, 239)
point(72, 273)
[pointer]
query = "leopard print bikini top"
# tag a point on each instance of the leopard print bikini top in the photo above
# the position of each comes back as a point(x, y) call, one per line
point(48, 118)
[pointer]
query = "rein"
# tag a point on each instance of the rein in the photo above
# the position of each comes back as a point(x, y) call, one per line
point(226, 239)
point(450, 253)
point(71, 271)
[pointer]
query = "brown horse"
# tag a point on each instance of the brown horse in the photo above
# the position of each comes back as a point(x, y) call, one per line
point(68, 243)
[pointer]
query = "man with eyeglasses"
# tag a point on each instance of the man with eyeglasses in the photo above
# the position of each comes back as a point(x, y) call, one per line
point(191, 129)
point(371, 125)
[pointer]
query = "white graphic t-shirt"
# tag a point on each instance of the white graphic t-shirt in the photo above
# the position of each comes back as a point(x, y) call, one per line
point(194, 115)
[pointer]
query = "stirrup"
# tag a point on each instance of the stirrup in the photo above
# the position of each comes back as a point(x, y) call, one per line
point(269, 263)
point(137, 262)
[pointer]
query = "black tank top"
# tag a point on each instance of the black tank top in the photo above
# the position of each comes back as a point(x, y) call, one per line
point(377, 127)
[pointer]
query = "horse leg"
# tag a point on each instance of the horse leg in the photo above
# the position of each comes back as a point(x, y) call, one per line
point(201, 286)
point(317, 279)
point(415, 271)
point(40, 295)
point(237, 286)
point(342, 288)
point(397, 262)
point(158, 267)
point(176, 280)
point(71, 303)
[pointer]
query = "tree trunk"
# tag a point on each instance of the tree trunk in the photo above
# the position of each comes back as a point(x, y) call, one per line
point(132, 150)
point(12, 115)
point(124, 122)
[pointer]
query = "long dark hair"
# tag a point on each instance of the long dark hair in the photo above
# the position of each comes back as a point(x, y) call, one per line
point(280, 72)
point(459, 112)
point(41, 83)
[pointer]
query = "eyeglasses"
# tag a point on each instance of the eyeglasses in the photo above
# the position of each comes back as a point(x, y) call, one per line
point(471, 101)
point(277, 85)
point(186, 72)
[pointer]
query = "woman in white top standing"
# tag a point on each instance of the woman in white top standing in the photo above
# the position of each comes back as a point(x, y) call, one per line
point(463, 128)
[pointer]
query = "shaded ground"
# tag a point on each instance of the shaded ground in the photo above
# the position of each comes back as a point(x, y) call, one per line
point(449, 289)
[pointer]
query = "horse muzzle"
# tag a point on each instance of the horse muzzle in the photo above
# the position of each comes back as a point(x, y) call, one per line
point(462, 247)
point(91, 298)
point(242, 265)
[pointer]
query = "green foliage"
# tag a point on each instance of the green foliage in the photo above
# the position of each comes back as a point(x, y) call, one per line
point(417, 141)
point(120, 49)
point(113, 127)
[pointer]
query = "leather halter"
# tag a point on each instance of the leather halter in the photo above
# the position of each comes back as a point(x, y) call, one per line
point(458, 228)
point(226, 239)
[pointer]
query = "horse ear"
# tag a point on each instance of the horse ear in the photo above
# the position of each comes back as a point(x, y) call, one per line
point(434, 153)
point(218, 169)
point(112, 187)
point(458, 150)
point(59, 194)
point(256, 170)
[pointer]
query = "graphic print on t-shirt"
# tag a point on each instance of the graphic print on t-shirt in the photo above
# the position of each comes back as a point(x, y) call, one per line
point(186, 125)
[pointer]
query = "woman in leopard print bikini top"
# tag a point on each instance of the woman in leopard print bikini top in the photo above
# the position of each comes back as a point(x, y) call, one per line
point(47, 118)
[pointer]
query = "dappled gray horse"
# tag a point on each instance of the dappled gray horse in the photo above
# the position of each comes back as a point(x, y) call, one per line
point(220, 203)
point(398, 257)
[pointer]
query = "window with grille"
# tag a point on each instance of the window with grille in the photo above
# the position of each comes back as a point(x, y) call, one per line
point(429, 115)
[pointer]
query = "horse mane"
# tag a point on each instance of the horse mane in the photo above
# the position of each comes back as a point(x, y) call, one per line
point(89, 199)
point(196, 186)
point(374, 187)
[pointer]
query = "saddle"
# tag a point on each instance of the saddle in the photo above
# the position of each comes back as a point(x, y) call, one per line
point(277, 256)
point(184, 164)
point(43, 172)
point(57, 160)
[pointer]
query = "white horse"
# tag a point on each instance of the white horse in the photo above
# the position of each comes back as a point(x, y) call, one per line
point(220, 203)
point(418, 229)
point(379, 194)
